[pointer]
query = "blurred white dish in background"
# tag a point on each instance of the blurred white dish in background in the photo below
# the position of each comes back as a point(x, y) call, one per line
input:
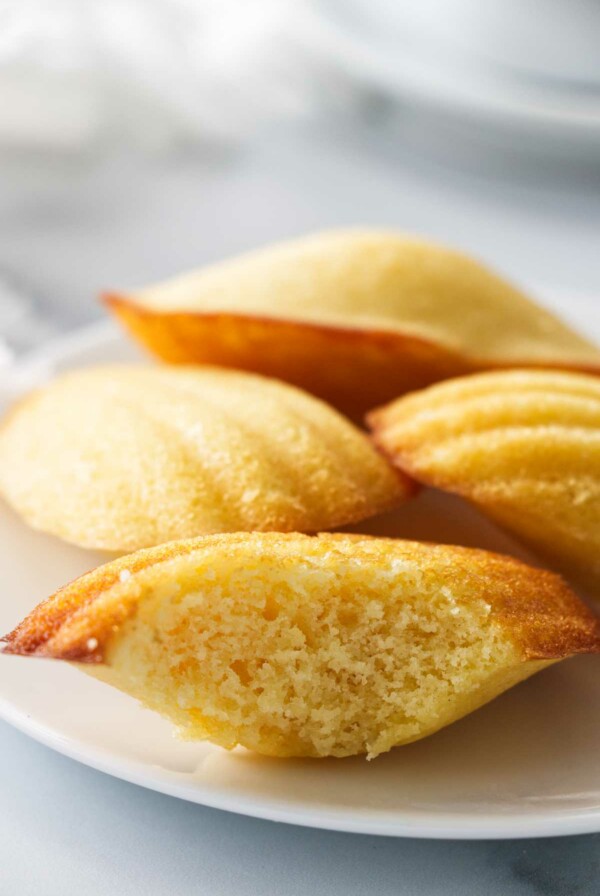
point(530, 70)
point(79, 77)
point(557, 39)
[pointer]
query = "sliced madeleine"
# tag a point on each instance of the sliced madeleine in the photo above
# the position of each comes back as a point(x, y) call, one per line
point(123, 457)
point(295, 645)
point(355, 317)
point(524, 446)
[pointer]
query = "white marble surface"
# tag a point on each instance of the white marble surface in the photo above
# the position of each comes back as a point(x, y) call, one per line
point(72, 226)
point(65, 829)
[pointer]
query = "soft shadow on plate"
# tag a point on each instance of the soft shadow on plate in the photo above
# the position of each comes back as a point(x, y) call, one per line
point(439, 517)
point(514, 754)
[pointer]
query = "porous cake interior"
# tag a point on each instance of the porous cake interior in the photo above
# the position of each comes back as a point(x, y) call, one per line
point(310, 658)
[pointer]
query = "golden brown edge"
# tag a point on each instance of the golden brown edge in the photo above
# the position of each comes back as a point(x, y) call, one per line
point(123, 307)
point(539, 611)
point(31, 636)
point(353, 368)
point(119, 301)
point(376, 422)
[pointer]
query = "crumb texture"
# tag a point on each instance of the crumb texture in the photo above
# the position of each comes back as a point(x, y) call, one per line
point(294, 645)
point(124, 457)
point(524, 446)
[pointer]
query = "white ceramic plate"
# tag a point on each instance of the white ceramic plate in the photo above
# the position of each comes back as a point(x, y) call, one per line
point(526, 765)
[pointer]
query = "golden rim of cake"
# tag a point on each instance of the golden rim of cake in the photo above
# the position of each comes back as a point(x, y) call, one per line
point(122, 457)
point(356, 317)
point(295, 645)
point(523, 446)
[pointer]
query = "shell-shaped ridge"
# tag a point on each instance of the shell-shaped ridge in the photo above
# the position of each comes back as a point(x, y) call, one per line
point(522, 445)
point(122, 457)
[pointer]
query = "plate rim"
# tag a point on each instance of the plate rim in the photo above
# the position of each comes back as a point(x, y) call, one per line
point(444, 826)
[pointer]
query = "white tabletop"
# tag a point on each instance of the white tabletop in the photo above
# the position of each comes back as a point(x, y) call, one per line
point(71, 227)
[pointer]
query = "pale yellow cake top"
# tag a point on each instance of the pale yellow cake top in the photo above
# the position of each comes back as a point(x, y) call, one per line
point(379, 280)
point(121, 457)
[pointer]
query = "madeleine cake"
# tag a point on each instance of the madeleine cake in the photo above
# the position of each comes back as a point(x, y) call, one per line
point(354, 317)
point(123, 457)
point(524, 446)
point(296, 645)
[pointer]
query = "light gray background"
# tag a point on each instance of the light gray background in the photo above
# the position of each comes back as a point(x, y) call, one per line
point(72, 226)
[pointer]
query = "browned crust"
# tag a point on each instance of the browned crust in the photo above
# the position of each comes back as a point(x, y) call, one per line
point(377, 422)
point(351, 367)
point(34, 635)
point(405, 460)
point(537, 609)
